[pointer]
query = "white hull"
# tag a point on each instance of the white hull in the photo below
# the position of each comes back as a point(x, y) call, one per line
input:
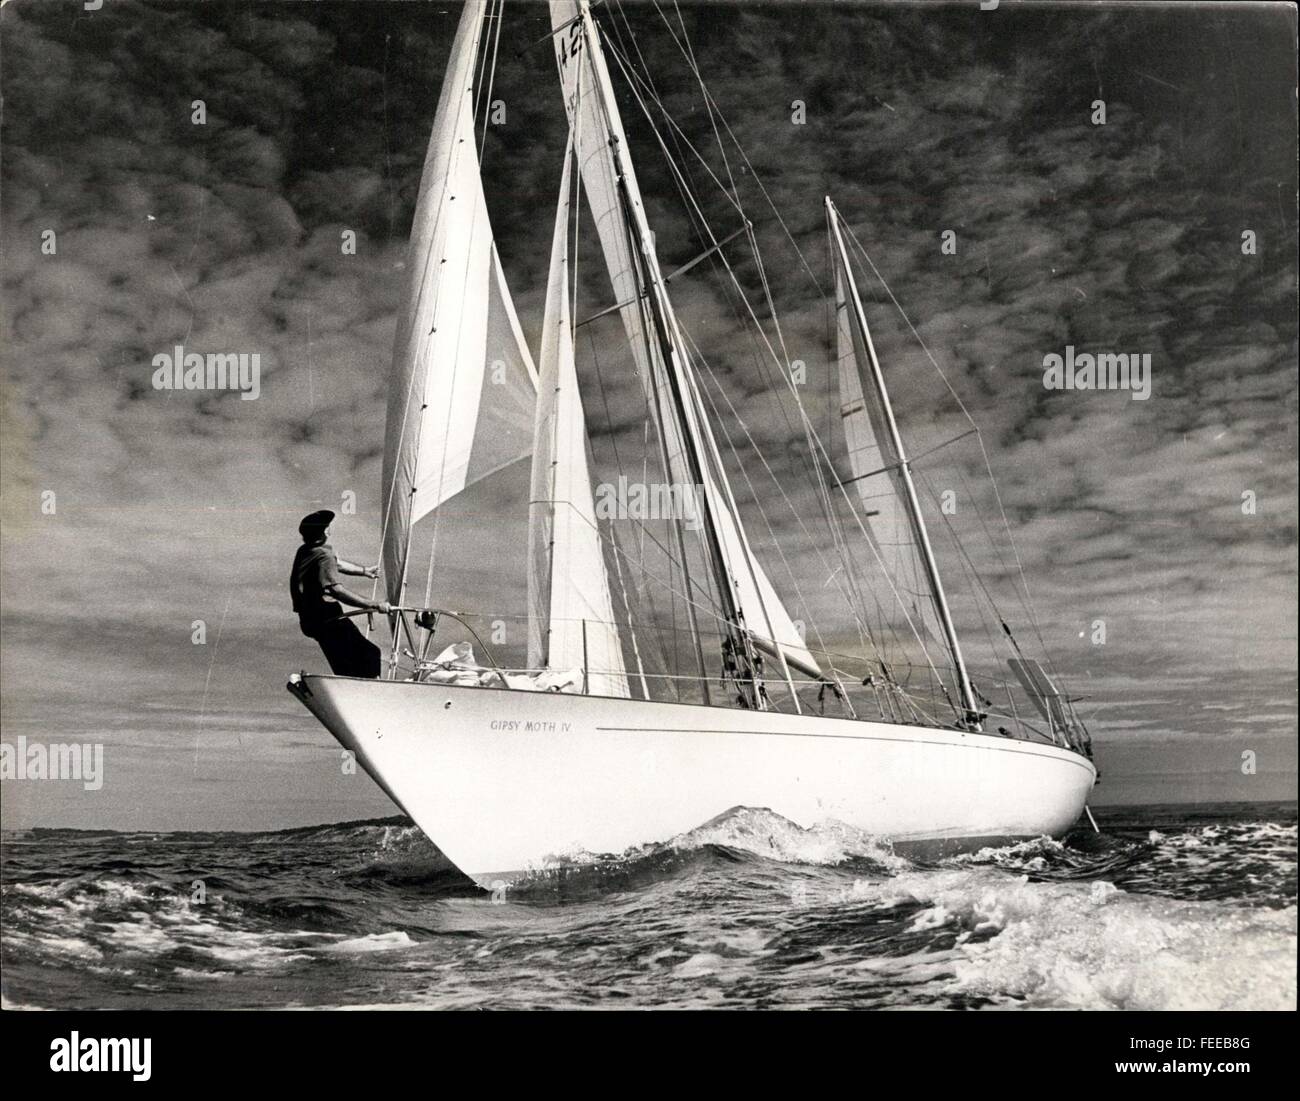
point(504, 781)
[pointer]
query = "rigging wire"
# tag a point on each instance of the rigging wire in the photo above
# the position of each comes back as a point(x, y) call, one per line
point(486, 99)
point(706, 236)
point(618, 462)
point(749, 481)
point(978, 435)
point(685, 187)
point(715, 114)
point(810, 431)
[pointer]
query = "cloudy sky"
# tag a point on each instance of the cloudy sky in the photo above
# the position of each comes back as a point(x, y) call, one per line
point(177, 507)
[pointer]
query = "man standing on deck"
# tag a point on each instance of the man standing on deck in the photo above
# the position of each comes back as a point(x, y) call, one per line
point(318, 595)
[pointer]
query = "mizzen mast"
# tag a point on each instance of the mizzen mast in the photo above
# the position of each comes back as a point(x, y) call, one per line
point(874, 380)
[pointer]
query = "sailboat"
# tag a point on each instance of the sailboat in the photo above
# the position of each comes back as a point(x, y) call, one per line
point(588, 749)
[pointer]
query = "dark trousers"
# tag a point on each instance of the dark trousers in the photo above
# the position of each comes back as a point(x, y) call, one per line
point(348, 651)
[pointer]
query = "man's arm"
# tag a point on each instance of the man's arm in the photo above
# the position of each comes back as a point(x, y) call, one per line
point(352, 600)
point(353, 570)
point(332, 586)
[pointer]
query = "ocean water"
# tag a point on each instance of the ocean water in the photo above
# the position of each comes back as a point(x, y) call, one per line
point(1167, 908)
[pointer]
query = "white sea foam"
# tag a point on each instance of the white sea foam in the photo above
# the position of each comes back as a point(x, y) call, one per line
point(758, 831)
point(374, 942)
point(190, 973)
point(700, 965)
point(764, 833)
point(404, 839)
point(1092, 946)
point(130, 922)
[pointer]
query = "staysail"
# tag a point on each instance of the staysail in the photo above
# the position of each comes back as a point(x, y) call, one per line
point(571, 618)
point(463, 386)
point(598, 133)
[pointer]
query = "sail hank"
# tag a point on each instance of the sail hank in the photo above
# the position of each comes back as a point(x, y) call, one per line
point(571, 621)
point(463, 386)
point(690, 449)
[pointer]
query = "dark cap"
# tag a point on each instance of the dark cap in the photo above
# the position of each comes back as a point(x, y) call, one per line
point(317, 521)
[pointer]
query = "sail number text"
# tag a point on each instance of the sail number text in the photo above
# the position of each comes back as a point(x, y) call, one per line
point(569, 45)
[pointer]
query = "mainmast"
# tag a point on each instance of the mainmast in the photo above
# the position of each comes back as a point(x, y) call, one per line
point(741, 662)
point(972, 715)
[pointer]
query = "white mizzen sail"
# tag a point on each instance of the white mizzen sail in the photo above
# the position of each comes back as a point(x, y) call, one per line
point(463, 386)
point(571, 618)
point(890, 445)
point(876, 473)
point(597, 128)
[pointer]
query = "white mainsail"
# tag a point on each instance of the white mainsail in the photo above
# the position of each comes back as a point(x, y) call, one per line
point(876, 470)
point(463, 385)
point(597, 129)
point(571, 618)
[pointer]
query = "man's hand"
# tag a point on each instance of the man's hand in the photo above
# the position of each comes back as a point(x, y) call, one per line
point(383, 607)
point(371, 572)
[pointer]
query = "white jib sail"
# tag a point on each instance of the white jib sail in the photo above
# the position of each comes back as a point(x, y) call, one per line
point(463, 386)
point(571, 622)
point(595, 123)
point(875, 470)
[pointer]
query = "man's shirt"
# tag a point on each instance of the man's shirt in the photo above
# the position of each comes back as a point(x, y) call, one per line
point(315, 569)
